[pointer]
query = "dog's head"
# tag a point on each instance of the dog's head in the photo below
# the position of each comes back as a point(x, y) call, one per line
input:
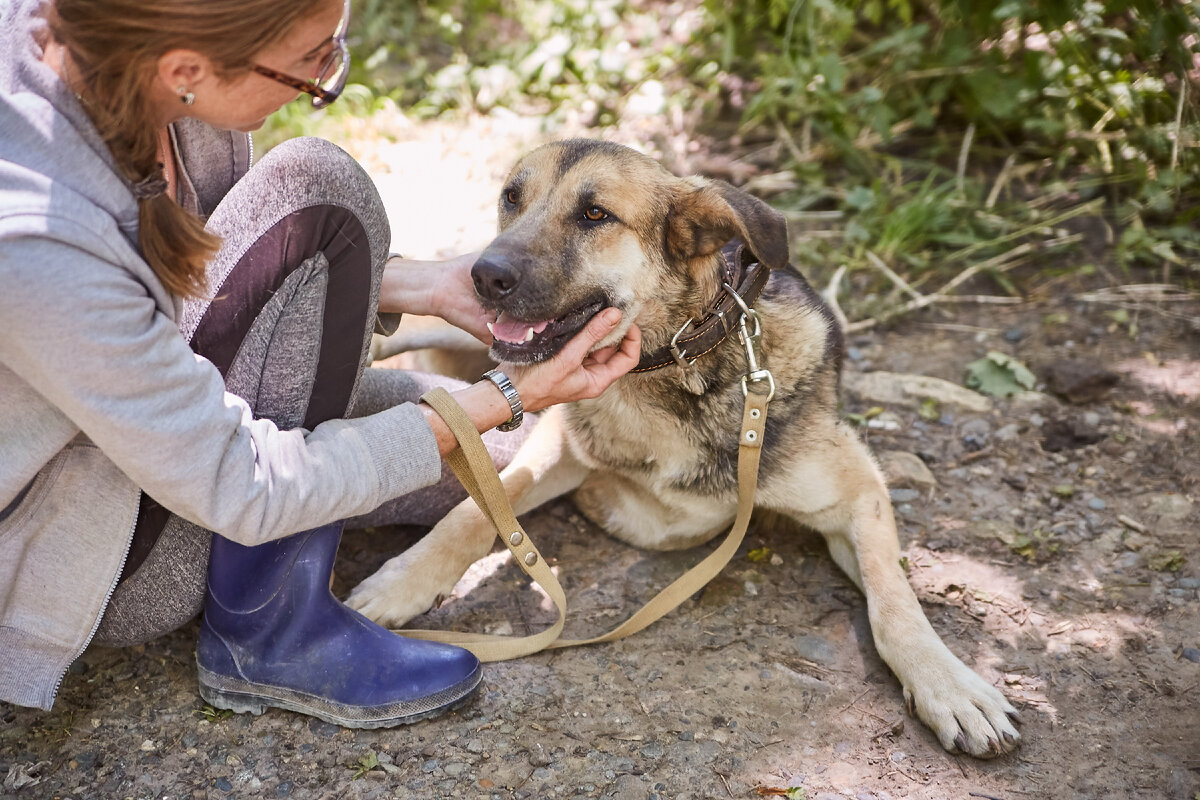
point(588, 224)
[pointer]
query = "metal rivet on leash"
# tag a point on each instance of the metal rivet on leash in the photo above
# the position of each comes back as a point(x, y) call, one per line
point(755, 413)
point(515, 538)
point(751, 436)
point(531, 558)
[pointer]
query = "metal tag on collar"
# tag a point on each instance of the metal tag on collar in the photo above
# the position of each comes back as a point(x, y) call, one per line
point(680, 355)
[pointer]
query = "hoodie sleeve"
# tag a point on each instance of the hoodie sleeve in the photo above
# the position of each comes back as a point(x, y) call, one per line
point(87, 336)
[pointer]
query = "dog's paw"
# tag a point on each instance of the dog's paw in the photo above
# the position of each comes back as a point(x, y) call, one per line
point(968, 714)
point(395, 594)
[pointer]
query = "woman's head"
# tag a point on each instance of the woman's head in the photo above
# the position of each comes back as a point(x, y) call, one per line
point(135, 61)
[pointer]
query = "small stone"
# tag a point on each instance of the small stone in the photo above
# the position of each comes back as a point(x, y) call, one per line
point(475, 746)
point(325, 729)
point(430, 765)
point(148, 746)
point(1096, 504)
point(815, 649)
point(905, 470)
point(541, 773)
point(1167, 505)
point(455, 768)
point(975, 433)
point(904, 495)
point(1008, 432)
point(854, 354)
point(1191, 654)
point(284, 789)
point(538, 757)
point(1014, 335)
point(651, 750)
point(1188, 583)
point(687, 736)
point(1079, 381)
point(223, 785)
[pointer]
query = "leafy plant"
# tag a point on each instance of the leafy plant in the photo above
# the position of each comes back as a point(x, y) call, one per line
point(999, 375)
point(365, 764)
point(214, 714)
point(1035, 545)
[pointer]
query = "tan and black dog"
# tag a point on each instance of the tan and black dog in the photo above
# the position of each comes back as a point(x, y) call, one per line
point(587, 224)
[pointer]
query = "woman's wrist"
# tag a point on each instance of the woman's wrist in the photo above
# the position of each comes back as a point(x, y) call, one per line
point(408, 287)
point(484, 404)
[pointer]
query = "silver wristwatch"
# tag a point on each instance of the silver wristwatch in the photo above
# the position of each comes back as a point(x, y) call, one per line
point(510, 394)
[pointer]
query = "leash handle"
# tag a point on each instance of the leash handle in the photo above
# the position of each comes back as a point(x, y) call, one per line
point(473, 467)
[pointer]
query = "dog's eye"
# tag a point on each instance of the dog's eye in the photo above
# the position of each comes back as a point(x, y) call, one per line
point(511, 197)
point(595, 214)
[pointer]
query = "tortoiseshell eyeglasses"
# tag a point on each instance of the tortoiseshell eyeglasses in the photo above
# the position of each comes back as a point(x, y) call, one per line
point(330, 76)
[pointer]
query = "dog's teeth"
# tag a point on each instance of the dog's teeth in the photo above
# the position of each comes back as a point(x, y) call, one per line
point(529, 334)
point(492, 328)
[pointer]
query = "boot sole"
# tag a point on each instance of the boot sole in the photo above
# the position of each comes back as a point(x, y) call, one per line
point(245, 697)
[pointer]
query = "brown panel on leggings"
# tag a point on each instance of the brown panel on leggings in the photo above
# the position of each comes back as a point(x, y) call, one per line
point(251, 283)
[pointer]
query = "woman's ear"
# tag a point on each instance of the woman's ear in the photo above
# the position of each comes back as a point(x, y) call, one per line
point(183, 69)
point(704, 217)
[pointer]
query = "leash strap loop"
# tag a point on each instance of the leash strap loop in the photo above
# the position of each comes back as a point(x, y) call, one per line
point(473, 467)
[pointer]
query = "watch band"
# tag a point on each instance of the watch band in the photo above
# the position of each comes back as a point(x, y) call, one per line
point(510, 394)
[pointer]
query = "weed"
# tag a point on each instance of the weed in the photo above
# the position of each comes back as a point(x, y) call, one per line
point(214, 714)
point(365, 764)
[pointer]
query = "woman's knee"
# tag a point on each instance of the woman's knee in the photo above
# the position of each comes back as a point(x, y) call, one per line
point(300, 174)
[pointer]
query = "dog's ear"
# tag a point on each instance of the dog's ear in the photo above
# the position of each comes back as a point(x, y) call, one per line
point(704, 217)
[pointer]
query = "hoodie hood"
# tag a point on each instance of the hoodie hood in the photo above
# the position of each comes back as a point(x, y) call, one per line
point(51, 156)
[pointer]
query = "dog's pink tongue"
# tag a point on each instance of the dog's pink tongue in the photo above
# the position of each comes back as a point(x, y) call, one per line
point(507, 329)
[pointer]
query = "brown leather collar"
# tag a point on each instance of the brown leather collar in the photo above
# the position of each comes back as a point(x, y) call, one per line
point(747, 277)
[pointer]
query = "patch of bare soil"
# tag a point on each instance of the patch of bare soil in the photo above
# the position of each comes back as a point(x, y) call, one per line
point(1053, 546)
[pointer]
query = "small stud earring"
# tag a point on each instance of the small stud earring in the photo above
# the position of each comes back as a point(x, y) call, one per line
point(185, 97)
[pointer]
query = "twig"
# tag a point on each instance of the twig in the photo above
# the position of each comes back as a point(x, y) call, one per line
point(790, 143)
point(878, 264)
point(831, 297)
point(1001, 181)
point(982, 299)
point(1077, 211)
point(722, 777)
point(1106, 159)
point(960, 174)
point(1183, 83)
point(1131, 523)
point(984, 796)
point(1150, 292)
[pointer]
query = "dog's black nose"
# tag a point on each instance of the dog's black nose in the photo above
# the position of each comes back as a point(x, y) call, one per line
point(494, 277)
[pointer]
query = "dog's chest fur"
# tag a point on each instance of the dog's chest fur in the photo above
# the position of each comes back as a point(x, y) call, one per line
point(647, 427)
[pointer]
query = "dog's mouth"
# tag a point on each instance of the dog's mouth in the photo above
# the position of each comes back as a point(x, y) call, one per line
point(522, 341)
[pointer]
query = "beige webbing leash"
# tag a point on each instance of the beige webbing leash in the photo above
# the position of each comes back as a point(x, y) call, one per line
point(473, 467)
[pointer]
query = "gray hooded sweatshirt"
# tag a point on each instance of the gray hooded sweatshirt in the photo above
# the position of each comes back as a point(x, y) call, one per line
point(100, 394)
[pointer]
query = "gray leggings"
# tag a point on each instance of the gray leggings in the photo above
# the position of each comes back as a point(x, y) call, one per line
point(296, 289)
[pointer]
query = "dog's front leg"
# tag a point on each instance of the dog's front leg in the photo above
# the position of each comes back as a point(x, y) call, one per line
point(412, 582)
point(966, 712)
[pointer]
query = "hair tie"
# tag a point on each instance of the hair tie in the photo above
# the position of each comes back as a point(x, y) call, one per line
point(151, 186)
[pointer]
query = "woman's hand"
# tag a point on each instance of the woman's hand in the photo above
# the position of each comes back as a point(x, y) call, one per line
point(577, 373)
point(435, 288)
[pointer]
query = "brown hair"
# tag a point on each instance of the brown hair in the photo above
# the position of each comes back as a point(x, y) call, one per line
point(115, 46)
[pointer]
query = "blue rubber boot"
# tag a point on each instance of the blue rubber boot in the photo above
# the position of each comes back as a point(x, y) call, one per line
point(273, 635)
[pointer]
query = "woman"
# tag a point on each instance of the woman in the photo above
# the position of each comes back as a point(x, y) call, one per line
point(182, 348)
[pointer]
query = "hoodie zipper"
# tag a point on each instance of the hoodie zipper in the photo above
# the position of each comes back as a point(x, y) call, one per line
point(112, 588)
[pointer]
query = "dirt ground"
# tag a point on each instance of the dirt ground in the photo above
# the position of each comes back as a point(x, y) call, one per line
point(1053, 545)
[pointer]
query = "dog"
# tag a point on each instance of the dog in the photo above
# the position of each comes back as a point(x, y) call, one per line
point(588, 224)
